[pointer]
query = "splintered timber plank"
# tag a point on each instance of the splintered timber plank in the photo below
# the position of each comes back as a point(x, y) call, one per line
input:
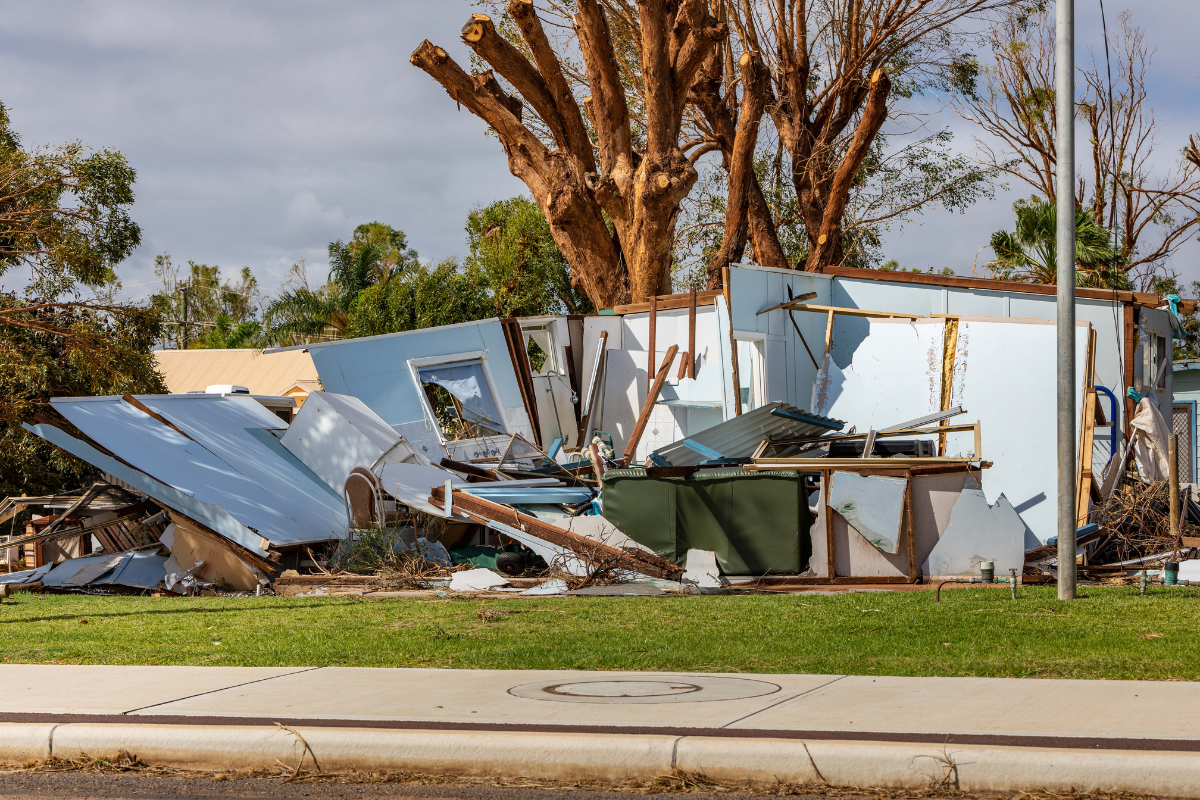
point(1084, 471)
point(636, 561)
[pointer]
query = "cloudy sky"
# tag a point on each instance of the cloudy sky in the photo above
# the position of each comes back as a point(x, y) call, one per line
point(263, 130)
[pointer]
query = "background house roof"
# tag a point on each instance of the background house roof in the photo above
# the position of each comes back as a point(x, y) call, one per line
point(273, 374)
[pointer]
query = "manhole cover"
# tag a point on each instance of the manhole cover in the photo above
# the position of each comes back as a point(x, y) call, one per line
point(645, 689)
point(622, 689)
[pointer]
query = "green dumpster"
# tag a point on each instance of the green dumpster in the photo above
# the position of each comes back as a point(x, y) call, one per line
point(756, 522)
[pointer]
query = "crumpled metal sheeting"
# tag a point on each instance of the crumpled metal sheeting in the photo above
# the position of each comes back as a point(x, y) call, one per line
point(64, 575)
point(143, 569)
point(212, 515)
point(231, 459)
point(740, 437)
point(26, 576)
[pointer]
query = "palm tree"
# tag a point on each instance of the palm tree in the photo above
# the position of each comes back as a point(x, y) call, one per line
point(1028, 253)
point(303, 314)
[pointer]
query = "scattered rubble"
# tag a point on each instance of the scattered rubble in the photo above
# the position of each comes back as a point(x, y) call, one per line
point(631, 452)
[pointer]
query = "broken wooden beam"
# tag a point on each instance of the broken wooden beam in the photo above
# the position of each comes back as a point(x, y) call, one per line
point(588, 549)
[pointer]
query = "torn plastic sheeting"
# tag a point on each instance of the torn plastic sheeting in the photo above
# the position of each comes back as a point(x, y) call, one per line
point(1150, 441)
point(212, 515)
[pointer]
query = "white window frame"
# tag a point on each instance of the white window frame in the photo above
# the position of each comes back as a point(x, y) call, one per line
point(758, 385)
point(415, 365)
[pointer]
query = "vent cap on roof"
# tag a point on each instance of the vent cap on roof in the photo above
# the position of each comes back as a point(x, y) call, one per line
point(226, 388)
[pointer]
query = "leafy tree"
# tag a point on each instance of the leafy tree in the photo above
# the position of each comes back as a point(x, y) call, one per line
point(396, 256)
point(226, 334)
point(64, 214)
point(512, 247)
point(1151, 205)
point(302, 314)
point(422, 298)
point(208, 299)
point(1028, 252)
point(65, 352)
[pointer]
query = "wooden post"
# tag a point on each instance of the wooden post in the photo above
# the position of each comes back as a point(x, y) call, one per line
point(650, 346)
point(826, 480)
point(829, 332)
point(1173, 477)
point(733, 353)
point(914, 569)
point(691, 361)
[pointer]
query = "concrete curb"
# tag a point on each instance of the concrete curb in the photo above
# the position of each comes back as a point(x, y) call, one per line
point(610, 757)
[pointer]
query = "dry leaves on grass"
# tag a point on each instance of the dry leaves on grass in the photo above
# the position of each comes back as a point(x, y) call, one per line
point(675, 782)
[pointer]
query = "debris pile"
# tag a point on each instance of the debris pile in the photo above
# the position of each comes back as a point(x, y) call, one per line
point(696, 442)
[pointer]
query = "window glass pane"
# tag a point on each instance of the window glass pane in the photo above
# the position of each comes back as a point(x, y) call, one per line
point(461, 400)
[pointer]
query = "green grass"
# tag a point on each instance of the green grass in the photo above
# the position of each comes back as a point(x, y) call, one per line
point(1104, 634)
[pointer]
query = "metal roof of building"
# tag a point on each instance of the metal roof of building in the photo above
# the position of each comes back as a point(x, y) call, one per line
point(263, 374)
point(740, 436)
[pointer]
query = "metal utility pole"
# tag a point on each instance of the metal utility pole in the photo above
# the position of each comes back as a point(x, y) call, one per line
point(1064, 53)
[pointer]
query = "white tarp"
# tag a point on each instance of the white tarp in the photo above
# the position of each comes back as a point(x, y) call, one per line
point(1150, 437)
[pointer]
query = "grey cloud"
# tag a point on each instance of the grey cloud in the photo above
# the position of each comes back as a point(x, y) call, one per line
point(261, 131)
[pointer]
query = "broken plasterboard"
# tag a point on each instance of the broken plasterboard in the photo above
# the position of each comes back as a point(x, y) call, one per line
point(190, 545)
point(871, 504)
point(702, 570)
point(476, 580)
point(979, 532)
point(894, 374)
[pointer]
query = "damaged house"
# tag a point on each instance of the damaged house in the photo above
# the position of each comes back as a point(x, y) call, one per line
point(846, 426)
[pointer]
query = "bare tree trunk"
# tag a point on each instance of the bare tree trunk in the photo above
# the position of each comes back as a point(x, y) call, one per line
point(741, 167)
point(639, 192)
point(828, 247)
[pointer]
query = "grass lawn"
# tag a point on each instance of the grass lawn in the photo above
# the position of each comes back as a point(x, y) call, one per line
point(1107, 633)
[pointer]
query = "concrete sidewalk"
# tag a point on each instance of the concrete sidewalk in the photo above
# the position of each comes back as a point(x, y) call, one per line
point(972, 733)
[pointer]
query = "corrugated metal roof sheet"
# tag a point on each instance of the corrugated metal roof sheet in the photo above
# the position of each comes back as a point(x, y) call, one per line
point(211, 515)
point(263, 374)
point(740, 436)
point(226, 455)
